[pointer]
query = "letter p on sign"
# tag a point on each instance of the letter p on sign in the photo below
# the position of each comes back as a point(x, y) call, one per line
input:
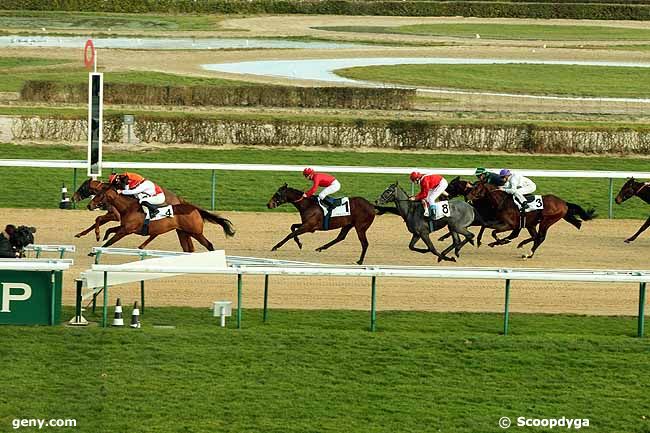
point(7, 297)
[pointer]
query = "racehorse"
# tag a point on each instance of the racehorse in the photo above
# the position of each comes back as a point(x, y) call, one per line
point(187, 218)
point(509, 215)
point(630, 189)
point(462, 215)
point(362, 214)
point(92, 187)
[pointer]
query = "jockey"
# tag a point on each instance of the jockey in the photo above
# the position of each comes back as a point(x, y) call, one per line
point(148, 193)
point(432, 186)
point(487, 176)
point(517, 186)
point(329, 182)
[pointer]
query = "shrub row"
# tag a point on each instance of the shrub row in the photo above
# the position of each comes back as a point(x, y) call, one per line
point(596, 11)
point(377, 134)
point(360, 98)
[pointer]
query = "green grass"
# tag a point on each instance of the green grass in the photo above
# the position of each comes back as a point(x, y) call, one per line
point(14, 82)
point(98, 22)
point(322, 371)
point(507, 31)
point(250, 191)
point(19, 62)
point(597, 81)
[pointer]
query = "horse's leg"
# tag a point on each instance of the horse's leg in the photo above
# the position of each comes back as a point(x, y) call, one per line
point(641, 230)
point(145, 243)
point(119, 235)
point(361, 234)
point(302, 229)
point(445, 236)
point(533, 235)
point(412, 246)
point(203, 241)
point(293, 228)
point(541, 235)
point(469, 237)
point(499, 229)
point(110, 231)
point(185, 241)
point(99, 221)
point(427, 240)
point(342, 235)
point(480, 236)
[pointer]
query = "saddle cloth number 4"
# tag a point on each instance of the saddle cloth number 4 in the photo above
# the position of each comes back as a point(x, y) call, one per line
point(164, 212)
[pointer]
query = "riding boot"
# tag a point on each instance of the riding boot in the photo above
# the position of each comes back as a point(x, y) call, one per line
point(153, 210)
point(329, 203)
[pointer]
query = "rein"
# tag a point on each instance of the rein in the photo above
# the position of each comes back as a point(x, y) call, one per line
point(646, 184)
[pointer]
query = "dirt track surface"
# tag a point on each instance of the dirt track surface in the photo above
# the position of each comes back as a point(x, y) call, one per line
point(598, 245)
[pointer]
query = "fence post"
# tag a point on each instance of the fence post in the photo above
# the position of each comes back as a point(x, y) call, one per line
point(611, 193)
point(74, 186)
point(105, 306)
point(506, 312)
point(213, 191)
point(239, 284)
point(142, 256)
point(266, 297)
point(373, 305)
point(640, 325)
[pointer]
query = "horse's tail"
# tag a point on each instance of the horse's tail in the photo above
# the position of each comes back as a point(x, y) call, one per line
point(225, 223)
point(577, 211)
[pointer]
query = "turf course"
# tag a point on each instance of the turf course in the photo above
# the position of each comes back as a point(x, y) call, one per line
point(322, 371)
point(507, 31)
point(250, 191)
point(574, 80)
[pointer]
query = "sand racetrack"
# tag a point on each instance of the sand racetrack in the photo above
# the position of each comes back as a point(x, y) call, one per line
point(598, 245)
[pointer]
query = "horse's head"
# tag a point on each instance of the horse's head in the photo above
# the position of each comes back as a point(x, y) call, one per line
point(627, 191)
point(20, 237)
point(479, 190)
point(389, 195)
point(87, 189)
point(458, 187)
point(279, 198)
point(101, 200)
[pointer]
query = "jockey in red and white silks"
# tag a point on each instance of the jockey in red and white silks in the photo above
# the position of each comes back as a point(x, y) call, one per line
point(432, 186)
point(329, 182)
point(148, 193)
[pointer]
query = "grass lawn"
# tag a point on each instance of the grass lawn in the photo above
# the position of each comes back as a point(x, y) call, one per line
point(250, 191)
point(507, 31)
point(102, 22)
point(14, 82)
point(19, 62)
point(322, 371)
point(597, 81)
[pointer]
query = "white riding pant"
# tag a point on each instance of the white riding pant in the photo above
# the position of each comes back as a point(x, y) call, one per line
point(527, 188)
point(335, 186)
point(436, 192)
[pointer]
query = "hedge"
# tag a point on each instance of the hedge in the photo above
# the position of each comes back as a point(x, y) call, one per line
point(594, 11)
point(266, 96)
point(376, 134)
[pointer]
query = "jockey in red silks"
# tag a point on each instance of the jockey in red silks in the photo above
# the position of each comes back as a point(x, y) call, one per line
point(329, 182)
point(148, 193)
point(432, 186)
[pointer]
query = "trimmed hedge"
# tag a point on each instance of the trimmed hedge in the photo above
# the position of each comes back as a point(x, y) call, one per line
point(593, 11)
point(376, 134)
point(361, 98)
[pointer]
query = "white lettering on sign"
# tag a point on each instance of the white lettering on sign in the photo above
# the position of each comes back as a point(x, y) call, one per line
point(7, 297)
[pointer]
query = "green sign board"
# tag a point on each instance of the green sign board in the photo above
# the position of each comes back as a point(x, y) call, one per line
point(30, 297)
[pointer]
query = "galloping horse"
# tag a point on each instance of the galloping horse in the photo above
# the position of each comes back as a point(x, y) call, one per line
point(362, 214)
point(630, 189)
point(187, 218)
point(507, 212)
point(462, 216)
point(92, 187)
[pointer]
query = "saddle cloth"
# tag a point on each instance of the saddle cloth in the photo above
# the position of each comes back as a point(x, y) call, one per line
point(441, 209)
point(165, 211)
point(342, 210)
point(535, 203)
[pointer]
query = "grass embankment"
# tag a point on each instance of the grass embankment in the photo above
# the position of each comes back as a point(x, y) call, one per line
point(250, 191)
point(308, 371)
point(76, 75)
point(507, 31)
point(575, 80)
point(107, 22)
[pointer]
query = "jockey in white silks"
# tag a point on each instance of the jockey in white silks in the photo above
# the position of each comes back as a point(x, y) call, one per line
point(517, 186)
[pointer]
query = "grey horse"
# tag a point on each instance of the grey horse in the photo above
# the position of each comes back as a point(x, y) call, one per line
point(462, 215)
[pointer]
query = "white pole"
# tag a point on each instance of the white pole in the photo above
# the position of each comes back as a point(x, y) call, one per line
point(222, 312)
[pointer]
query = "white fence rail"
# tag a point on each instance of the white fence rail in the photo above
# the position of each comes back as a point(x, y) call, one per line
point(267, 267)
point(214, 167)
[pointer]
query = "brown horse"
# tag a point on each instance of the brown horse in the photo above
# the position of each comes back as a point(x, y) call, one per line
point(187, 218)
point(362, 214)
point(92, 187)
point(509, 215)
point(630, 189)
